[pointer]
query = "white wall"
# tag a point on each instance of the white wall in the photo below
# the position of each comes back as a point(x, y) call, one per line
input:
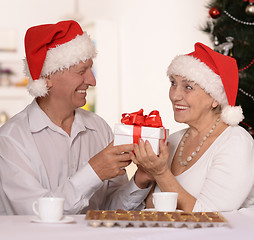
point(19, 15)
point(150, 34)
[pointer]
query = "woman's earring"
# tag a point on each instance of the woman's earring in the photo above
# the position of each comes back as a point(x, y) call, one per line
point(214, 104)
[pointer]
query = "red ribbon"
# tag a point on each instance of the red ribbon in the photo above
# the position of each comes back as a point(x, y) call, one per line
point(138, 119)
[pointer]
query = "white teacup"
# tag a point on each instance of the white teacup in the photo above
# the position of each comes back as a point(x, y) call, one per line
point(165, 201)
point(49, 209)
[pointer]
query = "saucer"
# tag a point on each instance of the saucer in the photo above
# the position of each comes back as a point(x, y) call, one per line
point(65, 219)
point(154, 210)
point(149, 209)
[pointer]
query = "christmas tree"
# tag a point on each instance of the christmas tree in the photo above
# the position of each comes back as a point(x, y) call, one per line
point(231, 27)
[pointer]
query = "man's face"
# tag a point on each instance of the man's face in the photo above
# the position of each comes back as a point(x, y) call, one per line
point(68, 87)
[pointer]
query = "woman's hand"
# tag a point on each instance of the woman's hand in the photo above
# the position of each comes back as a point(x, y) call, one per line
point(157, 168)
point(148, 160)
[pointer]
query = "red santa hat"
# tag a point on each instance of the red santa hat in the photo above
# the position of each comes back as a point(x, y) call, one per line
point(216, 73)
point(53, 47)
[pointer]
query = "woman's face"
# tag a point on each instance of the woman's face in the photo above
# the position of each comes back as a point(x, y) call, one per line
point(191, 104)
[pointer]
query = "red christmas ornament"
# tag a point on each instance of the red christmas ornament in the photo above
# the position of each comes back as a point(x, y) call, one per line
point(214, 12)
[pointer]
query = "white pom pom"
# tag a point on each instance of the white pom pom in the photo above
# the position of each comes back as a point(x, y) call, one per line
point(37, 88)
point(232, 115)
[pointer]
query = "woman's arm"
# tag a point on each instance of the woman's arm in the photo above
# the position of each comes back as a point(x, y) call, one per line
point(157, 166)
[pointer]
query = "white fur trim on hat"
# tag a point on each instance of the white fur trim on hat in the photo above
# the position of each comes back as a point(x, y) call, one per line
point(194, 70)
point(232, 115)
point(37, 88)
point(68, 54)
point(62, 57)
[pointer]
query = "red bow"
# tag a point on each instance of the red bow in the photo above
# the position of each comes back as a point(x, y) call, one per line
point(138, 119)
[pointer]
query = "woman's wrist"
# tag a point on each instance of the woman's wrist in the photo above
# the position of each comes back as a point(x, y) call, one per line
point(163, 175)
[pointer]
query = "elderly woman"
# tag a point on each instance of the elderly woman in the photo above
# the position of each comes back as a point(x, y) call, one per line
point(210, 164)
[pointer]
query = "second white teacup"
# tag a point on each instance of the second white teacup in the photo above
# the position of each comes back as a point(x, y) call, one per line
point(49, 209)
point(165, 201)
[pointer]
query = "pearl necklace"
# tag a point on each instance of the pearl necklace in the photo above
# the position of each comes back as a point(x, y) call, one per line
point(189, 158)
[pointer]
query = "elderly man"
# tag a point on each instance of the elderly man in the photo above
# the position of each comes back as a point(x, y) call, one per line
point(55, 148)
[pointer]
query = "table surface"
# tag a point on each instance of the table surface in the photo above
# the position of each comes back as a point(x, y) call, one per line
point(20, 227)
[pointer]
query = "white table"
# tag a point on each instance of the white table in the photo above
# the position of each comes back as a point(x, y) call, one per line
point(20, 227)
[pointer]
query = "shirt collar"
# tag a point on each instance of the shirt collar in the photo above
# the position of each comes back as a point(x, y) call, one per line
point(39, 120)
point(82, 119)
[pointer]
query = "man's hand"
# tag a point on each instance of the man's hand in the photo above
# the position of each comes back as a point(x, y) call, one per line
point(111, 161)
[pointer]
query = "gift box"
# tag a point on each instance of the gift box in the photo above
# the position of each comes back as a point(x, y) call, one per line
point(123, 134)
point(136, 125)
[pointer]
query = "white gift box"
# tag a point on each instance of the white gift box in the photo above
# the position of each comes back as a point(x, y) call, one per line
point(123, 134)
